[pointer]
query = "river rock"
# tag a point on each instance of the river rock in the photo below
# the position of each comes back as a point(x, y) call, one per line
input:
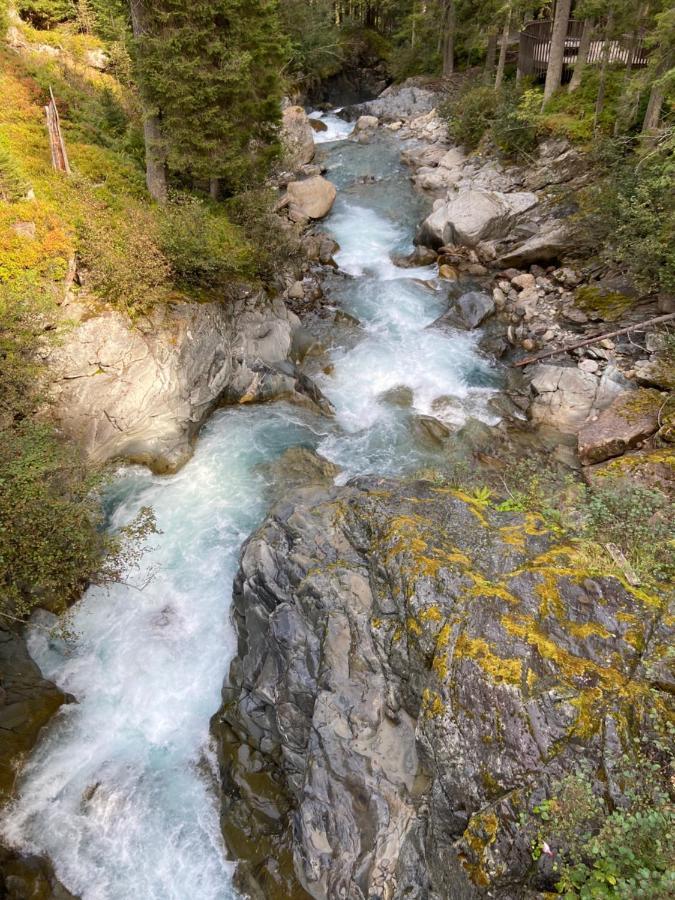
point(468, 311)
point(396, 103)
point(366, 123)
point(312, 197)
point(652, 469)
point(297, 138)
point(549, 245)
point(403, 691)
point(473, 216)
point(142, 394)
point(318, 125)
point(566, 398)
point(628, 421)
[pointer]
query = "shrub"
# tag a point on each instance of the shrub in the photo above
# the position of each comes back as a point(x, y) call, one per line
point(471, 115)
point(626, 215)
point(203, 247)
point(50, 544)
point(123, 260)
point(275, 244)
point(624, 852)
point(46, 13)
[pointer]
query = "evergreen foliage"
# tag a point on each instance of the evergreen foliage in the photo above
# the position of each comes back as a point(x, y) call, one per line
point(211, 69)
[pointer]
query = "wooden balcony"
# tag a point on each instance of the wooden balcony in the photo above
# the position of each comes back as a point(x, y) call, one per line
point(535, 48)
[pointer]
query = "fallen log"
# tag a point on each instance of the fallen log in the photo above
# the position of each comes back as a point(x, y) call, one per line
point(640, 326)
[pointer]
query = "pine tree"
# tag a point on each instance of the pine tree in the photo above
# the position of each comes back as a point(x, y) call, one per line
point(85, 17)
point(211, 68)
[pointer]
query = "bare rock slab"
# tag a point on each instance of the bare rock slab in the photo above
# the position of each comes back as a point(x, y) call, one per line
point(313, 197)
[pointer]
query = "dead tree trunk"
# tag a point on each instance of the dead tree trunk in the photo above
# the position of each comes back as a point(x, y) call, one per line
point(582, 56)
point(56, 142)
point(501, 65)
point(155, 153)
point(556, 53)
point(491, 56)
point(449, 38)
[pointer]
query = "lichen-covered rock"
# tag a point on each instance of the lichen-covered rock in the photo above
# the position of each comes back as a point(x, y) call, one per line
point(414, 671)
point(622, 426)
point(142, 391)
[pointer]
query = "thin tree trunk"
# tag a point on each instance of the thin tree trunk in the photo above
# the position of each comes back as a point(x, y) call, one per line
point(449, 38)
point(657, 95)
point(491, 56)
point(556, 54)
point(582, 56)
point(155, 155)
point(624, 116)
point(501, 65)
point(600, 102)
point(214, 188)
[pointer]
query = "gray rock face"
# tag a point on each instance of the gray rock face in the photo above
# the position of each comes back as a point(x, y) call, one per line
point(397, 102)
point(468, 311)
point(566, 397)
point(473, 216)
point(297, 137)
point(552, 243)
point(142, 393)
point(403, 689)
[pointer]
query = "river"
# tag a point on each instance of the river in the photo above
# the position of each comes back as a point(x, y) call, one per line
point(120, 791)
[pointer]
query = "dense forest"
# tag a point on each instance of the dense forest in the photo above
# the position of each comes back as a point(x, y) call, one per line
point(172, 112)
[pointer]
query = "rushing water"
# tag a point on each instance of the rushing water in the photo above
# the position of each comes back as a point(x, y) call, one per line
point(120, 791)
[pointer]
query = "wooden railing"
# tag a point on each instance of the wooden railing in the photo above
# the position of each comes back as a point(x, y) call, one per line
point(535, 48)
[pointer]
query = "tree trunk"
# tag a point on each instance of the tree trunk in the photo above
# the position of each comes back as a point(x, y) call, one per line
point(155, 155)
point(657, 95)
point(214, 188)
point(491, 56)
point(449, 38)
point(582, 56)
point(557, 49)
point(501, 65)
point(600, 102)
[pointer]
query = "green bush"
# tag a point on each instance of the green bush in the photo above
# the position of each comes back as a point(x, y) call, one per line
point(275, 244)
point(204, 248)
point(627, 215)
point(50, 542)
point(46, 13)
point(470, 115)
point(628, 851)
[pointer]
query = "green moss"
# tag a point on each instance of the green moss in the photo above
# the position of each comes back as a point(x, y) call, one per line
point(607, 305)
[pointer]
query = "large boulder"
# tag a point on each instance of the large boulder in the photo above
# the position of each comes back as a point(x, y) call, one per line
point(415, 671)
point(141, 392)
point(550, 244)
point(473, 216)
point(397, 102)
point(312, 197)
point(566, 397)
point(468, 311)
point(297, 137)
point(628, 421)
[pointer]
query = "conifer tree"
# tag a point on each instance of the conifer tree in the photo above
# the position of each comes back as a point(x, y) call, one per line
point(211, 68)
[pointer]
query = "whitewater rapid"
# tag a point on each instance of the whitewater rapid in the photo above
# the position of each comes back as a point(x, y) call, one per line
point(121, 791)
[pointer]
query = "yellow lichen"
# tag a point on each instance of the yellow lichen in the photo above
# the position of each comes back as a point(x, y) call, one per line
point(501, 670)
point(432, 705)
point(480, 833)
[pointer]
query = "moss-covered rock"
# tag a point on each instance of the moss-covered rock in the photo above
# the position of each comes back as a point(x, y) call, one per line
point(414, 670)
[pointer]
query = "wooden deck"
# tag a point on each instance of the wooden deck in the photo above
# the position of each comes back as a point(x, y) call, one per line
point(535, 47)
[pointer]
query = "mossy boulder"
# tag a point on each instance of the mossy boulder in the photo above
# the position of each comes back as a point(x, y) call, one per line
point(415, 669)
